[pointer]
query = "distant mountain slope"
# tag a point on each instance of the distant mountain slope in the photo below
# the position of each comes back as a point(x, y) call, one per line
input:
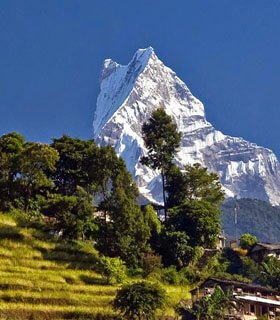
point(253, 216)
point(129, 94)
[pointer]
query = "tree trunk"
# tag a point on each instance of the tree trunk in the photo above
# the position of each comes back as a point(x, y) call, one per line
point(163, 194)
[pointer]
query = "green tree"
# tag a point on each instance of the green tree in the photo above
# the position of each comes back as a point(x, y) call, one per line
point(118, 234)
point(175, 248)
point(74, 215)
point(112, 269)
point(139, 301)
point(33, 163)
point(151, 218)
point(194, 199)
point(122, 230)
point(162, 140)
point(77, 165)
point(199, 219)
point(11, 145)
point(247, 241)
point(193, 183)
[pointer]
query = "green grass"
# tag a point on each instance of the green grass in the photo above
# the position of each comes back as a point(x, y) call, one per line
point(44, 278)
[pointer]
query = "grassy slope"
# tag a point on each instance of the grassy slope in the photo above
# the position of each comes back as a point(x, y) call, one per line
point(41, 278)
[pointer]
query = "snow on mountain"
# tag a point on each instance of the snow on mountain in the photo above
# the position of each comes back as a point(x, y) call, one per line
point(128, 96)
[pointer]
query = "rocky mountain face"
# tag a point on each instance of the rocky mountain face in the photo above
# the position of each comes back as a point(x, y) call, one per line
point(128, 96)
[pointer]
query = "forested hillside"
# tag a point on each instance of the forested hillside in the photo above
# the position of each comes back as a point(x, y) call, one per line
point(253, 216)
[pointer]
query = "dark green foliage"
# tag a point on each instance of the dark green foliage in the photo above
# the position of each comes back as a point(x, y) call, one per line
point(122, 230)
point(23, 171)
point(250, 269)
point(152, 219)
point(33, 164)
point(154, 224)
point(162, 140)
point(233, 259)
point(237, 267)
point(170, 275)
point(247, 241)
point(76, 165)
point(194, 198)
point(189, 275)
point(256, 217)
point(11, 145)
point(199, 219)
point(118, 234)
point(74, 215)
point(100, 171)
point(139, 301)
point(270, 274)
point(194, 183)
point(151, 264)
point(175, 248)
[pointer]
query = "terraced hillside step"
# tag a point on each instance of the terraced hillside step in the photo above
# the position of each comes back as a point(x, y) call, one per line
point(43, 278)
point(50, 312)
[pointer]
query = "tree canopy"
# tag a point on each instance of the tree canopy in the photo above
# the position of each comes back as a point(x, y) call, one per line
point(139, 300)
point(162, 139)
point(194, 182)
point(247, 240)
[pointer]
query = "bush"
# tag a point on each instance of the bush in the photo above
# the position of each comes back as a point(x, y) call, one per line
point(134, 272)
point(189, 275)
point(139, 300)
point(72, 215)
point(171, 276)
point(250, 268)
point(247, 241)
point(112, 269)
point(151, 264)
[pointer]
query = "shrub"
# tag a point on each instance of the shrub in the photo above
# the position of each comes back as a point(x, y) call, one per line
point(189, 275)
point(170, 275)
point(151, 264)
point(134, 272)
point(247, 241)
point(112, 269)
point(250, 268)
point(139, 300)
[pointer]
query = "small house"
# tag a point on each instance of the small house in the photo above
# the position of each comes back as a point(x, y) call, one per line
point(261, 250)
point(255, 300)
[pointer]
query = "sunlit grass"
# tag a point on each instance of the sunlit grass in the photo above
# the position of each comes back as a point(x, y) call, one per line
point(42, 277)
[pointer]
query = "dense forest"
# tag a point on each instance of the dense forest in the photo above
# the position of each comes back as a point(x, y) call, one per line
point(253, 216)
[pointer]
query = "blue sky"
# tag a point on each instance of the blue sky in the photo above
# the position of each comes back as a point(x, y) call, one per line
point(228, 53)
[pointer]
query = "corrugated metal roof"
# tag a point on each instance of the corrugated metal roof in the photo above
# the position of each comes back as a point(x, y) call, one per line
point(259, 299)
point(240, 284)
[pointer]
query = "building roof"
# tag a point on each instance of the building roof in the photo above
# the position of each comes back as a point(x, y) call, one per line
point(266, 246)
point(259, 299)
point(244, 285)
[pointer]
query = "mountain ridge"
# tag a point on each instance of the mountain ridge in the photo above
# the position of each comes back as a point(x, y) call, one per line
point(128, 96)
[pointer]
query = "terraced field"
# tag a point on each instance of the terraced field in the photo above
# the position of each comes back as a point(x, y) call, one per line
point(41, 278)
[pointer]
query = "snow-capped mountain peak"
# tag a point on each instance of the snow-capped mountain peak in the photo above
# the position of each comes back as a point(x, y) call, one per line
point(116, 83)
point(128, 96)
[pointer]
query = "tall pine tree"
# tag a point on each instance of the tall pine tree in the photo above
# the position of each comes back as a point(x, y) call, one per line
point(162, 140)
